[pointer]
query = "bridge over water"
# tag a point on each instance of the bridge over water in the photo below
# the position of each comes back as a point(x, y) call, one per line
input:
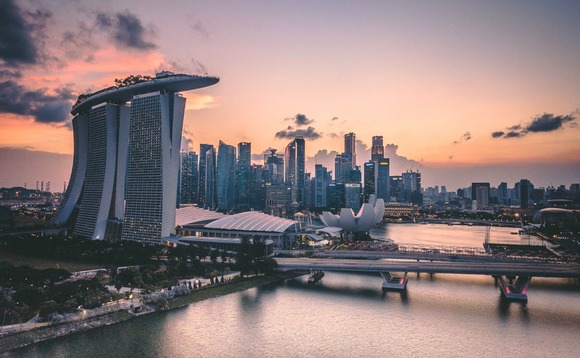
point(522, 270)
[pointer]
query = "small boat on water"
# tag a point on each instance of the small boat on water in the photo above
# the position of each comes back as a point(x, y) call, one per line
point(315, 277)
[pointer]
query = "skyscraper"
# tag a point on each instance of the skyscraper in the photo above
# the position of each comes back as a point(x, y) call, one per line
point(226, 177)
point(210, 201)
point(203, 148)
point(382, 181)
point(342, 168)
point(126, 159)
point(480, 192)
point(243, 169)
point(350, 147)
point(295, 161)
point(188, 178)
point(377, 149)
point(369, 180)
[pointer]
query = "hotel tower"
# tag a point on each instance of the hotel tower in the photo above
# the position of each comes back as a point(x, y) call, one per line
point(127, 141)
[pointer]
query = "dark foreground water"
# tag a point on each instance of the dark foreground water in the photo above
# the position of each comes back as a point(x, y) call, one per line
point(347, 315)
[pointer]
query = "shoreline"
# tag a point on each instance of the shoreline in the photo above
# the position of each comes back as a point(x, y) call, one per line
point(22, 339)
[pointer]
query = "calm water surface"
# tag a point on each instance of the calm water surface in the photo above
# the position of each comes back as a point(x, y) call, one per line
point(347, 315)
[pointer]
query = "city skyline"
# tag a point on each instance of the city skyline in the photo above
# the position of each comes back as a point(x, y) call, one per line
point(464, 92)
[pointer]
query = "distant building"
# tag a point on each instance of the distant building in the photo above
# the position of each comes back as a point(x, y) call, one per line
point(480, 192)
point(226, 177)
point(274, 167)
point(210, 201)
point(188, 178)
point(377, 149)
point(369, 180)
point(243, 178)
point(203, 148)
point(350, 147)
point(352, 196)
point(526, 188)
point(382, 179)
point(321, 182)
point(295, 162)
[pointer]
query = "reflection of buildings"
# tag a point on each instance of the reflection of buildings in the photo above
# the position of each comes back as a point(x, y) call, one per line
point(126, 160)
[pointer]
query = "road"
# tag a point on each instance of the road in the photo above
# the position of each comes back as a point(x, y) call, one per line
point(534, 269)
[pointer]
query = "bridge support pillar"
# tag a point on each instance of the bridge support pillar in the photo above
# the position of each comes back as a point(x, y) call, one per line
point(517, 291)
point(394, 282)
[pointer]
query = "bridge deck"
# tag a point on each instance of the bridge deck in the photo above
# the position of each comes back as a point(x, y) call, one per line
point(535, 269)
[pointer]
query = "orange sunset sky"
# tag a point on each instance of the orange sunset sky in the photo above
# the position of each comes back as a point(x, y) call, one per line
point(462, 90)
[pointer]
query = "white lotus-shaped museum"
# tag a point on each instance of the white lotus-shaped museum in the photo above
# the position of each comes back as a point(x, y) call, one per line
point(370, 214)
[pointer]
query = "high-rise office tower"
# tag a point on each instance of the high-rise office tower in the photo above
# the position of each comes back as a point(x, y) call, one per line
point(257, 187)
point(188, 178)
point(243, 179)
point(352, 196)
point(321, 183)
point(382, 180)
point(369, 180)
point(226, 177)
point(377, 149)
point(295, 161)
point(411, 181)
point(480, 192)
point(126, 158)
point(274, 167)
point(350, 147)
point(526, 188)
point(203, 148)
point(342, 168)
point(210, 201)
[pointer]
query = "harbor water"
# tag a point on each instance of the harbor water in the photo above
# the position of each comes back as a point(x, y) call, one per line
point(348, 315)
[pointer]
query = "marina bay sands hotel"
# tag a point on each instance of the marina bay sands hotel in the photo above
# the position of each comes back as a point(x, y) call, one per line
point(127, 141)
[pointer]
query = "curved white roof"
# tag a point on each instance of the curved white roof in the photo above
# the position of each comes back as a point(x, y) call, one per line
point(252, 221)
point(193, 214)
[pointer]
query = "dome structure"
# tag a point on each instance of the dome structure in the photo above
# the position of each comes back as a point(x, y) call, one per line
point(369, 215)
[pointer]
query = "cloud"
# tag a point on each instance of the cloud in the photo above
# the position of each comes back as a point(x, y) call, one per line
point(514, 134)
point(547, 122)
point(465, 137)
point(333, 135)
point(323, 157)
point(126, 30)
point(5, 73)
point(186, 143)
point(290, 133)
point(334, 119)
point(196, 101)
point(17, 45)
point(44, 107)
point(200, 28)
point(300, 120)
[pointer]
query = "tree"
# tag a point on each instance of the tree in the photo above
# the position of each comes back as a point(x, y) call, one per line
point(245, 255)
